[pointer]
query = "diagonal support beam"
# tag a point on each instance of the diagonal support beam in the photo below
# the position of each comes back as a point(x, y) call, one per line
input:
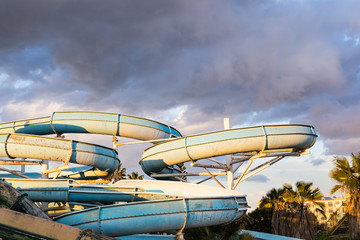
point(251, 160)
point(261, 167)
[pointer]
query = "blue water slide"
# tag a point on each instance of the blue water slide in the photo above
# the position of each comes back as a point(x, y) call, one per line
point(78, 122)
point(55, 149)
point(159, 205)
point(158, 215)
point(92, 122)
point(158, 158)
point(66, 190)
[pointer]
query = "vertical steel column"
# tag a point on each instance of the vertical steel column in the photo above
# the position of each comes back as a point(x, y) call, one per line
point(44, 168)
point(22, 170)
point(229, 173)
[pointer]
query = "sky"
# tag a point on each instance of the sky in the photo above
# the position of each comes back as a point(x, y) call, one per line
point(189, 64)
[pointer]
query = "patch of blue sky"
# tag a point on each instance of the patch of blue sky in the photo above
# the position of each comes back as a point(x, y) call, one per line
point(3, 77)
point(36, 52)
point(31, 62)
point(252, 121)
point(22, 83)
point(175, 113)
point(37, 72)
point(1, 111)
point(354, 39)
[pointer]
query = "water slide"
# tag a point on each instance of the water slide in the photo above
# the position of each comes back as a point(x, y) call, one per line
point(92, 122)
point(157, 158)
point(102, 161)
point(148, 205)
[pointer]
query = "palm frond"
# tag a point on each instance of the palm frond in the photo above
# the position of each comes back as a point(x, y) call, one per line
point(335, 188)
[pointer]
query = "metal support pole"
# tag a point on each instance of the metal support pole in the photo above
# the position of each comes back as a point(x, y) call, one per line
point(229, 173)
point(14, 172)
point(22, 170)
point(249, 164)
point(213, 177)
point(44, 168)
point(154, 175)
point(260, 168)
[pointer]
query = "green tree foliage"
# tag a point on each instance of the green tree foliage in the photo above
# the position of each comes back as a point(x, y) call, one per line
point(183, 170)
point(302, 222)
point(274, 200)
point(135, 175)
point(218, 232)
point(346, 173)
point(291, 216)
point(119, 174)
point(258, 220)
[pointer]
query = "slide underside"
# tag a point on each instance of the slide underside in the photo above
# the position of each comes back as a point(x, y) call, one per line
point(149, 206)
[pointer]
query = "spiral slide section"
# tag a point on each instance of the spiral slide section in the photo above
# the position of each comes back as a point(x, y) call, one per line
point(104, 160)
point(78, 122)
point(158, 158)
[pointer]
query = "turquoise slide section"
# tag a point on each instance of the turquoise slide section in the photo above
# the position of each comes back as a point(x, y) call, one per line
point(158, 158)
point(104, 161)
point(92, 122)
point(151, 205)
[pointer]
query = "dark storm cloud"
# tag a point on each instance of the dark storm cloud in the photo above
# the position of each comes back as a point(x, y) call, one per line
point(296, 61)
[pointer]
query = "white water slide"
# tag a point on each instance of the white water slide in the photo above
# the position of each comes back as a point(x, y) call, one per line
point(149, 206)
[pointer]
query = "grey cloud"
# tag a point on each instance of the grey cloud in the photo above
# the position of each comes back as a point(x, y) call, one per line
point(317, 162)
point(258, 178)
point(343, 147)
point(283, 60)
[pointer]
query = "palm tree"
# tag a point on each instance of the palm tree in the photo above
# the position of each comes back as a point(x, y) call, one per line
point(274, 200)
point(346, 173)
point(119, 174)
point(135, 175)
point(258, 220)
point(230, 231)
point(302, 222)
point(183, 170)
point(291, 216)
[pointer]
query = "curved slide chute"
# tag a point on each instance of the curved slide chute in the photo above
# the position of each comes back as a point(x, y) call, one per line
point(67, 190)
point(157, 215)
point(158, 206)
point(158, 158)
point(104, 161)
point(92, 122)
point(83, 122)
